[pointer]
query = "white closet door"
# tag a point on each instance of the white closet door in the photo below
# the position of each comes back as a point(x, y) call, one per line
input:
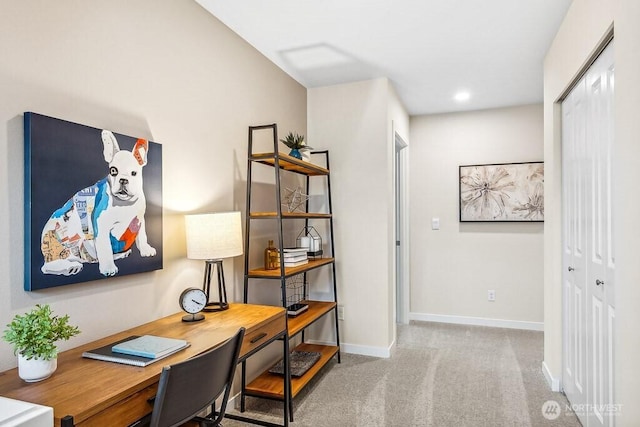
point(575, 195)
point(588, 259)
point(600, 271)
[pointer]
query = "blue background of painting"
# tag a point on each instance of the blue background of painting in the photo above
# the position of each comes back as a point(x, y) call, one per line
point(62, 158)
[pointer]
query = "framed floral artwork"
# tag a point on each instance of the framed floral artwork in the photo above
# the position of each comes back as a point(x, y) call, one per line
point(506, 192)
point(93, 203)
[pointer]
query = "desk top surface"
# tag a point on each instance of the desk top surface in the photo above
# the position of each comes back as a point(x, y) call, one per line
point(82, 387)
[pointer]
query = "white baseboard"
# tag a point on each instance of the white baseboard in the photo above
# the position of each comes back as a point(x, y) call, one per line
point(366, 350)
point(554, 383)
point(234, 401)
point(478, 321)
point(363, 350)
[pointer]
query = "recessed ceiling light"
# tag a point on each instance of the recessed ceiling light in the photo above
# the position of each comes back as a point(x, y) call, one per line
point(462, 96)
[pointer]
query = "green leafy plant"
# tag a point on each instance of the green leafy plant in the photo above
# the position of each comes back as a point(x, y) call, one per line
point(295, 141)
point(34, 334)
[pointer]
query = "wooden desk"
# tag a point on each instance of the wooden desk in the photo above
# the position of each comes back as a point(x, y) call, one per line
point(85, 392)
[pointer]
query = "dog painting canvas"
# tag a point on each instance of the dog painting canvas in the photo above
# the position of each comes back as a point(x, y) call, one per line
point(93, 203)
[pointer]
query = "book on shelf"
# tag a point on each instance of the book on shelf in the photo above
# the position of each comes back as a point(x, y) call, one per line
point(294, 258)
point(106, 353)
point(297, 263)
point(297, 308)
point(297, 251)
point(150, 346)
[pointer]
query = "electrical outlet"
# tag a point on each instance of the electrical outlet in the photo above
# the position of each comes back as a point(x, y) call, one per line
point(491, 295)
point(340, 312)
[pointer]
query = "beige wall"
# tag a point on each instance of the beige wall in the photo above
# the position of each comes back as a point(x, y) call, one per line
point(453, 268)
point(164, 70)
point(585, 25)
point(352, 120)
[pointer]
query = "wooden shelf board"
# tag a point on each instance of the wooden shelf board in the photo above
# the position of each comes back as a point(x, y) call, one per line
point(274, 215)
point(272, 386)
point(289, 271)
point(316, 310)
point(290, 164)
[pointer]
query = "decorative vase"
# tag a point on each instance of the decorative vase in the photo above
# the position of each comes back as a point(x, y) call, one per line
point(295, 153)
point(271, 257)
point(35, 369)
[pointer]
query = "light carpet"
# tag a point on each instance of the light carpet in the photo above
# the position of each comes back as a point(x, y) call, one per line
point(439, 375)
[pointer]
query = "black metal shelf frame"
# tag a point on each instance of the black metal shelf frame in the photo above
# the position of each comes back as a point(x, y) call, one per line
point(278, 166)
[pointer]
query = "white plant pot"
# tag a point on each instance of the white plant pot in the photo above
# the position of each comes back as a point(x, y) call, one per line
point(306, 155)
point(35, 369)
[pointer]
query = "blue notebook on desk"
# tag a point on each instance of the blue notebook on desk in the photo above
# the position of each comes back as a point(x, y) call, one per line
point(107, 354)
point(150, 346)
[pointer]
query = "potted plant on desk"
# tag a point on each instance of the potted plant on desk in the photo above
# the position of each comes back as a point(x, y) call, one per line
point(33, 336)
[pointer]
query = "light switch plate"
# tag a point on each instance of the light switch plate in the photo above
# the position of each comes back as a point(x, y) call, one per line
point(435, 223)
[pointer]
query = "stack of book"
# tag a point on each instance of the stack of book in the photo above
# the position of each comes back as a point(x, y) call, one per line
point(294, 257)
point(137, 350)
point(294, 309)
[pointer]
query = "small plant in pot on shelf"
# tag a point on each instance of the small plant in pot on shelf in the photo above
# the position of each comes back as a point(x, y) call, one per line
point(33, 336)
point(296, 143)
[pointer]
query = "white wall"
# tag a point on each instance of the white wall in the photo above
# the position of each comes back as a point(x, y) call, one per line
point(163, 70)
point(453, 268)
point(582, 30)
point(352, 120)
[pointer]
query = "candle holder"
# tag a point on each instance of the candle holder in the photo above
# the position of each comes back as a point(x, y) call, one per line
point(310, 238)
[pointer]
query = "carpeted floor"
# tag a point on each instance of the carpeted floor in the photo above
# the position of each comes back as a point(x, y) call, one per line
point(439, 375)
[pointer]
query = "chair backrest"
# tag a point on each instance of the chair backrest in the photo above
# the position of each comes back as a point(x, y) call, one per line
point(187, 388)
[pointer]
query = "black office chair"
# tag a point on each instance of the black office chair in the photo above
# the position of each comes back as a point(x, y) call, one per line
point(192, 386)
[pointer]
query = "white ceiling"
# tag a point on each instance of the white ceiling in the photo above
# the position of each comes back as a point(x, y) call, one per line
point(429, 49)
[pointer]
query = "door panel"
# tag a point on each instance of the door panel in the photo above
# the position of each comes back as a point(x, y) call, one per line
point(575, 252)
point(596, 361)
point(601, 278)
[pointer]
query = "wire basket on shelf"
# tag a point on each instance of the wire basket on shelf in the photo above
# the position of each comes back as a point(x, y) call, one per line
point(297, 292)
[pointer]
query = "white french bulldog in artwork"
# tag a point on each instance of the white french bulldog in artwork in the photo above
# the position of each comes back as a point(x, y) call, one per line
point(100, 223)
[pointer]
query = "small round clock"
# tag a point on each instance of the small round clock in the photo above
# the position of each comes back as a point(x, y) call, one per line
point(193, 300)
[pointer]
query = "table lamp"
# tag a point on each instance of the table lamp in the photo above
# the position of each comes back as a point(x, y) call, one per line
point(213, 237)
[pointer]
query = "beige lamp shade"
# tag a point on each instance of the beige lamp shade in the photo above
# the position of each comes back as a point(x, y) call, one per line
point(214, 236)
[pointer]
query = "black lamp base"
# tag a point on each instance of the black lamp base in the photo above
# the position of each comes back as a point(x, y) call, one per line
point(222, 304)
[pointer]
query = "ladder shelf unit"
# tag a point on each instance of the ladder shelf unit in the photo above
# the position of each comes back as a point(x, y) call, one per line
point(268, 385)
